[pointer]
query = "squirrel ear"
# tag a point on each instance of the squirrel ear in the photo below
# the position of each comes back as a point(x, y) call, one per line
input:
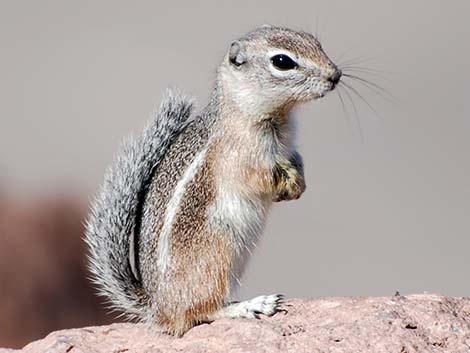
point(237, 53)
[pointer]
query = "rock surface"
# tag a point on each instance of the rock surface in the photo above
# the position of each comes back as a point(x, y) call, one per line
point(401, 324)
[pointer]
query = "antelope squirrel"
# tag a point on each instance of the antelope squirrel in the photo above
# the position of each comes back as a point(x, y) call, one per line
point(171, 229)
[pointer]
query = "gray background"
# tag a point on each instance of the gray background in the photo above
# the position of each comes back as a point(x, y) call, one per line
point(383, 213)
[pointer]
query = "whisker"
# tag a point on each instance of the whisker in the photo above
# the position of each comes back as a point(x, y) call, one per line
point(316, 29)
point(356, 115)
point(374, 87)
point(320, 27)
point(338, 59)
point(367, 69)
point(342, 102)
point(354, 61)
point(347, 114)
point(366, 73)
point(375, 73)
point(356, 92)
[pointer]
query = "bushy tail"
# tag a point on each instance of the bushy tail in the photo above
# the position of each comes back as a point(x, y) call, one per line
point(111, 224)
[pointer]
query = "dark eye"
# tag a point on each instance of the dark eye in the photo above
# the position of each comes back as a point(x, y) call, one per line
point(283, 62)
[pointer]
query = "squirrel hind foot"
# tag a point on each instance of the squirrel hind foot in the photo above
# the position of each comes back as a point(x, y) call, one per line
point(267, 305)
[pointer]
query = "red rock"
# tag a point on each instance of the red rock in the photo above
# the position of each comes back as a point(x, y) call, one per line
point(397, 324)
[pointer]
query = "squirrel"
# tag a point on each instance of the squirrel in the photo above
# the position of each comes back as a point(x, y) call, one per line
point(173, 225)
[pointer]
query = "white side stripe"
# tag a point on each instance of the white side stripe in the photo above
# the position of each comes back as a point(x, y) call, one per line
point(163, 249)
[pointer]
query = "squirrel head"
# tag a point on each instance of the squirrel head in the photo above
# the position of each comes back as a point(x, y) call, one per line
point(271, 69)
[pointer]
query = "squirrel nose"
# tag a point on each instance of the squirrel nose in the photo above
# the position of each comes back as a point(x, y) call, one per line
point(335, 76)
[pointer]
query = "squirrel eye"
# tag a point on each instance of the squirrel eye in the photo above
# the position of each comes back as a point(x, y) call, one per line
point(283, 62)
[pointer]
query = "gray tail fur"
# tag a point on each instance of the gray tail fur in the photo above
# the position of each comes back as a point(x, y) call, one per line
point(115, 211)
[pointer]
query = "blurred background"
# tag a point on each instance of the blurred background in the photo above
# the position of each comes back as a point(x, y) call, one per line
point(388, 198)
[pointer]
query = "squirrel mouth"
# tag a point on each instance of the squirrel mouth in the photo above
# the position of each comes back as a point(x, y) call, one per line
point(326, 87)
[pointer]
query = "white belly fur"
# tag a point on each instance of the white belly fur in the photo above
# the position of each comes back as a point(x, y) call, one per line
point(242, 220)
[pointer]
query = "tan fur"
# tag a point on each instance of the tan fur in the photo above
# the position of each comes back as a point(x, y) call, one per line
point(205, 288)
point(241, 151)
point(201, 276)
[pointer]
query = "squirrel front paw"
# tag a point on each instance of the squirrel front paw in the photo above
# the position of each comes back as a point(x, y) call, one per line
point(289, 181)
point(290, 188)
